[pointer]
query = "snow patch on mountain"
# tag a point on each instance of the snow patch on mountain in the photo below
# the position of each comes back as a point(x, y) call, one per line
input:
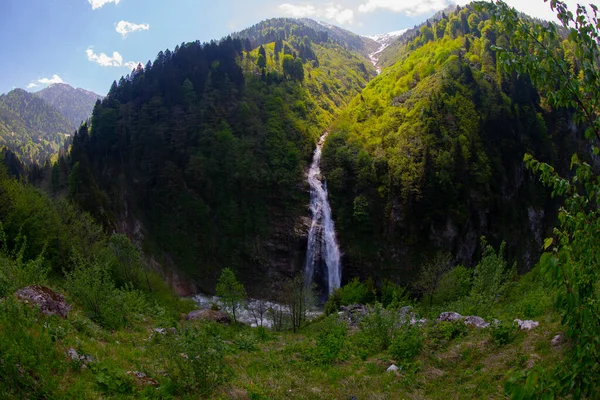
point(384, 40)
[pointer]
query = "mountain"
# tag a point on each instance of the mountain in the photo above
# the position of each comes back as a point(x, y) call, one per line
point(428, 158)
point(75, 105)
point(30, 127)
point(202, 152)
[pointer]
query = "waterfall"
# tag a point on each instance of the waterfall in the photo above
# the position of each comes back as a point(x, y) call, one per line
point(322, 252)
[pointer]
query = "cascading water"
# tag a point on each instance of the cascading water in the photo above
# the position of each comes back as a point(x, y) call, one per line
point(322, 252)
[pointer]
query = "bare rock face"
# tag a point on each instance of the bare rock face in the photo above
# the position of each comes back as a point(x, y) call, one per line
point(49, 302)
point(209, 315)
point(450, 316)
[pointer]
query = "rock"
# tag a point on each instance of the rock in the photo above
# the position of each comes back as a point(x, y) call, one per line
point(142, 379)
point(419, 322)
point(172, 330)
point(477, 322)
point(49, 302)
point(527, 324)
point(557, 340)
point(81, 358)
point(393, 368)
point(406, 312)
point(449, 316)
point(209, 315)
point(161, 331)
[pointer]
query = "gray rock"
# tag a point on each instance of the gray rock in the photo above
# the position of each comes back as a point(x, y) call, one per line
point(393, 368)
point(449, 316)
point(81, 358)
point(477, 322)
point(142, 379)
point(49, 302)
point(209, 315)
point(406, 312)
point(557, 340)
point(527, 325)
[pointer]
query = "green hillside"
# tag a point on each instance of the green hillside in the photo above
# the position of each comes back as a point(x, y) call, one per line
point(429, 156)
point(30, 127)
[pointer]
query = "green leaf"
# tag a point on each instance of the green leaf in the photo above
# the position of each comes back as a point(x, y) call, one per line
point(548, 243)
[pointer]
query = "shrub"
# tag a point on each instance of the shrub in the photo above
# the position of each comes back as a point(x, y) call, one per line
point(354, 292)
point(193, 361)
point(377, 329)
point(231, 292)
point(393, 296)
point(441, 333)
point(503, 333)
point(453, 286)
point(329, 345)
point(30, 365)
point(407, 343)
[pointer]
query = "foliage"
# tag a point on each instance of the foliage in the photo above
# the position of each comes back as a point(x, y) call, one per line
point(441, 333)
point(431, 274)
point(354, 292)
point(31, 128)
point(490, 278)
point(206, 149)
point(429, 156)
point(299, 298)
point(75, 105)
point(407, 343)
point(231, 292)
point(194, 361)
point(377, 329)
point(453, 285)
point(565, 68)
point(503, 333)
point(329, 345)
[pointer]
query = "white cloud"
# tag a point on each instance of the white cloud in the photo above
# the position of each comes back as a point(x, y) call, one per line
point(329, 11)
point(45, 81)
point(408, 7)
point(541, 9)
point(116, 60)
point(126, 27)
point(100, 3)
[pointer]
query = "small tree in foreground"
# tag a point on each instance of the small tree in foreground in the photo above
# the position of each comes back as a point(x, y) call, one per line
point(572, 260)
point(231, 292)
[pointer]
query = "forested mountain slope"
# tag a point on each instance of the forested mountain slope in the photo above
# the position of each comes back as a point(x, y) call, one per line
point(30, 127)
point(205, 149)
point(75, 105)
point(429, 156)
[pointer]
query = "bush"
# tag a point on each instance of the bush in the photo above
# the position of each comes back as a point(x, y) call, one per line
point(329, 345)
point(503, 333)
point(407, 343)
point(193, 361)
point(453, 286)
point(441, 333)
point(354, 292)
point(377, 329)
point(393, 296)
point(30, 366)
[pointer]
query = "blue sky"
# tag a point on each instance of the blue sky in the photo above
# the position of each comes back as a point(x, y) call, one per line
point(90, 43)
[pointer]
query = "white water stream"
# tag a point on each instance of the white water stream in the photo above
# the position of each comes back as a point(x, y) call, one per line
point(322, 251)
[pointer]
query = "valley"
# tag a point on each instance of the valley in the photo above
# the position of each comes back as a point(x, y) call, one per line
point(299, 211)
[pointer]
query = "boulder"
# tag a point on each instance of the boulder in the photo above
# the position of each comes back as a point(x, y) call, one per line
point(527, 325)
point(209, 315)
point(82, 359)
point(393, 368)
point(49, 302)
point(477, 322)
point(557, 340)
point(449, 316)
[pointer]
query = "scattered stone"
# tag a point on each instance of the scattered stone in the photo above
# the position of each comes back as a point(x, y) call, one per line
point(527, 324)
point(142, 379)
point(449, 316)
point(477, 322)
point(161, 331)
point(83, 359)
point(557, 340)
point(353, 314)
point(210, 315)
point(393, 368)
point(406, 312)
point(419, 322)
point(49, 302)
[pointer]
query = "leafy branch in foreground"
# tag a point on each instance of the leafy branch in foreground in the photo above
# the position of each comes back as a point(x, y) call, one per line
point(563, 64)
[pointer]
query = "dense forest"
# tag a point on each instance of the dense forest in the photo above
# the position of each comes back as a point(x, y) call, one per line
point(31, 128)
point(428, 157)
point(75, 105)
point(448, 173)
point(205, 148)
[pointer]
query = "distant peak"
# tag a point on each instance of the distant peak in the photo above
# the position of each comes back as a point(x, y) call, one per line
point(386, 37)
